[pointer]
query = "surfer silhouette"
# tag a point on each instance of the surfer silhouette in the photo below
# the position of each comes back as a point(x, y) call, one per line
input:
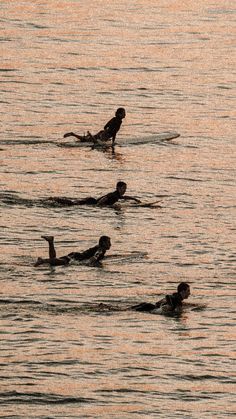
point(108, 133)
point(92, 255)
point(170, 303)
point(105, 200)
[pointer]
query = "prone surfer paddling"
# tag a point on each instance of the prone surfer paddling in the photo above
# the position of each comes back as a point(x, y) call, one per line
point(106, 200)
point(169, 304)
point(109, 132)
point(92, 255)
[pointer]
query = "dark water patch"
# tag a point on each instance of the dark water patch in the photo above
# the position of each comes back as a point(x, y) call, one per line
point(67, 362)
point(57, 83)
point(186, 264)
point(16, 301)
point(29, 141)
point(15, 200)
point(5, 39)
point(188, 396)
point(39, 398)
point(199, 308)
point(128, 390)
point(203, 377)
point(225, 87)
point(135, 69)
point(36, 26)
point(221, 11)
point(50, 374)
point(78, 69)
point(184, 178)
point(20, 82)
point(55, 309)
point(105, 93)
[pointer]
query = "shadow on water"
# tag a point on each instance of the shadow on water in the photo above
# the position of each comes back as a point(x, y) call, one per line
point(32, 398)
point(17, 307)
point(11, 198)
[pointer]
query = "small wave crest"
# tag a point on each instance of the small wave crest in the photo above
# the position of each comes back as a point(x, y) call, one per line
point(40, 398)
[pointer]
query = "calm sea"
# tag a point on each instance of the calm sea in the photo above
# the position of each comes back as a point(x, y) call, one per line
point(67, 65)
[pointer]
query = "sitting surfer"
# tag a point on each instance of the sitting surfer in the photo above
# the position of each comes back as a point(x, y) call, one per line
point(108, 133)
point(106, 200)
point(171, 303)
point(92, 255)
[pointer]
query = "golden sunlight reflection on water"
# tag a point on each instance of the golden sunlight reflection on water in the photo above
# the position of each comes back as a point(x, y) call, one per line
point(67, 66)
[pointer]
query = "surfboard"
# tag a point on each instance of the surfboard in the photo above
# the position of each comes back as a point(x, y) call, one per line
point(156, 138)
point(153, 204)
point(130, 204)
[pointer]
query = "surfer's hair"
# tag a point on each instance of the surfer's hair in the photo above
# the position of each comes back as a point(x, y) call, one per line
point(120, 185)
point(104, 240)
point(120, 111)
point(183, 286)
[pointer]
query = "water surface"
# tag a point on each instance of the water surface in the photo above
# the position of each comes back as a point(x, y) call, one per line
point(67, 65)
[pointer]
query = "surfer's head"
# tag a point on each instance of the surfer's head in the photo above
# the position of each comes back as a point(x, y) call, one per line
point(120, 113)
point(105, 242)
point(183, 290)
point(121, 188)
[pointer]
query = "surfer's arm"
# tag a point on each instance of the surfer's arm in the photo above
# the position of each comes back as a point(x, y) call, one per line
point(113, 139)
point(96, 258)
point(131, 198)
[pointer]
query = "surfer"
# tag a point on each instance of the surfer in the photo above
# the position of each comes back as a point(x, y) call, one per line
point(106, 200)
point(92, 255)
point(109, 132)
point(170, 303)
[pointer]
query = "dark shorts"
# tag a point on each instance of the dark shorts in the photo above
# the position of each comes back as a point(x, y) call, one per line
point(87, 201)
point(103, 135)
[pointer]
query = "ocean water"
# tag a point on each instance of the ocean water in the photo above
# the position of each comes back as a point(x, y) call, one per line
point(66, 66)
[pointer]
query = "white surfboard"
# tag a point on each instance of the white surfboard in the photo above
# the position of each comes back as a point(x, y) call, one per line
point(156, 138)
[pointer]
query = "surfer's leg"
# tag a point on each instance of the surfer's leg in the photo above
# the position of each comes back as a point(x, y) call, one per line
point(70, 134)
point(51, 249)
point(62, 261)
point(92, 138)
point(79, 137)
point(41, 261)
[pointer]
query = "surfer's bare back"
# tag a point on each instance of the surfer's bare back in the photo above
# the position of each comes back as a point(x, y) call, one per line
point(108, 133)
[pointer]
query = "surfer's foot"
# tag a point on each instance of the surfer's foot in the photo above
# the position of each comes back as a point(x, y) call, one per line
point(38, 262)
point(89, 135)
point(48, 238)
point(68, 134)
